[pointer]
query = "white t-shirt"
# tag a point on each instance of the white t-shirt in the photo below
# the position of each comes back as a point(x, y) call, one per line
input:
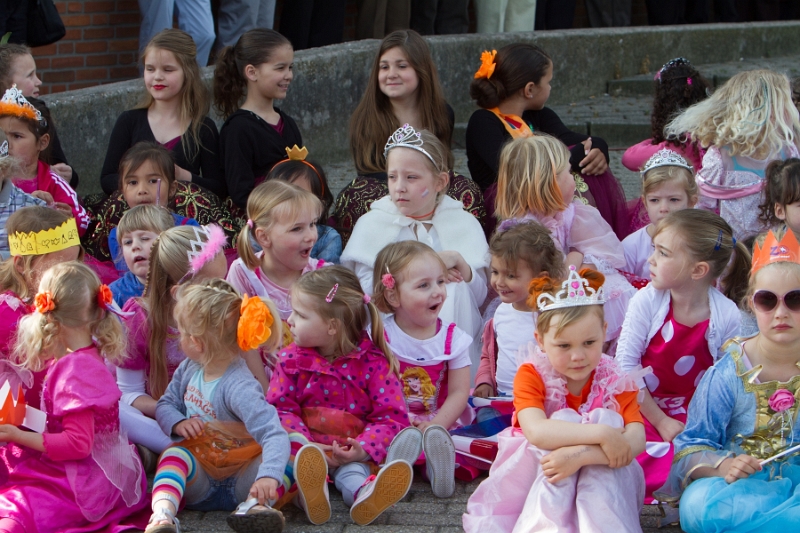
point(431, 351)
point(198, 396)
point(512, 329)
point(638, 248)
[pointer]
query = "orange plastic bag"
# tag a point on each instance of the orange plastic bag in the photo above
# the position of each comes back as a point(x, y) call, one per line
point(223, 449)
point(328, 425)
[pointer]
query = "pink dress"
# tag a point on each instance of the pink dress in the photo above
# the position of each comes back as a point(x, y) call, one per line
point(57, 490)
point(12, 309)
point(679, 357)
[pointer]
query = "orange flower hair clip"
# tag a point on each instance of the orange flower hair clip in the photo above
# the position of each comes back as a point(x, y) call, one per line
point(487, 65)
point(104, 297)
point(43, 302)
point(255, 321)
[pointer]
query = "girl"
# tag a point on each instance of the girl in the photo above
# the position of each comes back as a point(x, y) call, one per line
point(173, 113)
point(434, 356)
point(80, 474)
point(512, 87)
point(12, 198)
point(403, 88)
point(744, 413)
point(521, 251)
point(212, 402)
point(679, 322)
point(667, 185)
point(574, 400)
point(19, 278)
point(781, 195)
point(310, 176)
point(534, 182)
point(28, 132)
point(348, 431)
point(259, 68)
point(417, 209)
point(741, 140)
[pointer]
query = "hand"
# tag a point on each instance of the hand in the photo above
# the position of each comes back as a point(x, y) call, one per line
point(739, 467)
point(327, 451)
point(9, 433)
point(181, 174)
point(64, 208)
point(63, 170)
point(455, 261)
point(44, 196)
point(352, 453)
point(189, 428)
point(562, 463)
point(454, 276)
point(595, 161)
point(669, 428)
point(484, 390)
point(264, 489)
point(421, 425)
point(616, 448)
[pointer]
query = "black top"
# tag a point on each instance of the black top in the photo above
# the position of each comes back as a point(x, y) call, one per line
point(56, 152)
point(132, 127)
point(249, 147)
point(486, 136)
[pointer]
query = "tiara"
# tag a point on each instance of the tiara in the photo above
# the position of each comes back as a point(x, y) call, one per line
point(666, 158)
point(45, 241)
point(775, 251)
point(4, 149)
point(297, 154)
point(678, 61)
point(203, 250)
point(407, 137)
point(575, 292)
point(15, 104)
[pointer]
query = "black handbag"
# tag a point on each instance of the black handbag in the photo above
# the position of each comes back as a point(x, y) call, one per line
point(44, 23)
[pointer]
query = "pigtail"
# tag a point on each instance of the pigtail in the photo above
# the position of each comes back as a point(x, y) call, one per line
point(379, 338)
point(244, 246)
point(595, 278)
point(229, 84)
point(736, 281)
point(36, 337)
point(109, 336)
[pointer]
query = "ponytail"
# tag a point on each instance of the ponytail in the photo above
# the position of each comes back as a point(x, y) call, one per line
point(735, 282)
point(229, 83)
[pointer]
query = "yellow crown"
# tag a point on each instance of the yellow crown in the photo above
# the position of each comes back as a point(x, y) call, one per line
point(45, 241)
point(297, 154)
point(775, 251)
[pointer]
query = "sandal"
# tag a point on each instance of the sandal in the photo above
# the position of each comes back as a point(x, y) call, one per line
point(250, 517)
point(163, 514)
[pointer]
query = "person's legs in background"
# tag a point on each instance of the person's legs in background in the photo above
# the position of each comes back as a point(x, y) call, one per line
point(234, 18)
point(520, 15)
point(156, 16)
point(491, 15)
point(398, 16)
point(14, 20)
point(423, 16)
point(452, 17)
point(555, 14)
point(296, 22)
point(194, 17)
point(371, 19)
point(265, 17)
point(327, 23)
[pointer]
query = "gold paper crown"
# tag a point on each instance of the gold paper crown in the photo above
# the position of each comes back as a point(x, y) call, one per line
point(775, 251)
point(45, 241)
point(297, 154)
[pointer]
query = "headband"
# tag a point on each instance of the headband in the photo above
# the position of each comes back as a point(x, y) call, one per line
point(201, 251)
point(255, 321)
point(16, 105)
point(407, 137)
point(299, 154)
point(678, 61)
point(45, 241)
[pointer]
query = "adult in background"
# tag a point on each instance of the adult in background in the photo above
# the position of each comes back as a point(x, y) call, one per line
point(378, 18)
point(312, 23)
point(238, 16)
point(498, 16)
point(194, 17)
point(555, 14)
point(439, 17)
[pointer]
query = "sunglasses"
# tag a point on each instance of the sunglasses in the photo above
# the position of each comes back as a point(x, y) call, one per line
point(766, 301)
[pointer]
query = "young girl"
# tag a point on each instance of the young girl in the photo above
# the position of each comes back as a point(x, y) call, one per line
point(417, 209)
point(741, 140)
point(512, 87)
point(310, 176)
point(338, 391)
point(80, 474)
point(213, 402)
point(28, 132)
point(744, 413)
point(534, 182)
point(781, 195)
point(403, 88)
point(138, 229)
point(173, 113)
point(574, 400)
point(12, 198)
point(667, 185)
point(521, 251)
point(255, 134)
point(679, 322)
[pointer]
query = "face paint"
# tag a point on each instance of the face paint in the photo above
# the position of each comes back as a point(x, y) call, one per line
point(425, 193)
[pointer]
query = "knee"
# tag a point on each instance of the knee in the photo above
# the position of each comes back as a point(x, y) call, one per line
point(693, 509)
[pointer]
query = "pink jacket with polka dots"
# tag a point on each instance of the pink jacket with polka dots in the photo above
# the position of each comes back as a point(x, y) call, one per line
point(356, 393)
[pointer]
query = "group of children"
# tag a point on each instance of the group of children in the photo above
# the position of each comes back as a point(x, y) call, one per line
point(660, 368)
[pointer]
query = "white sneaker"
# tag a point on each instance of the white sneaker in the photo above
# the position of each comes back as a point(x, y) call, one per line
point(378, 494)
point(440, 460)
point(311, 475)
point(406, 446)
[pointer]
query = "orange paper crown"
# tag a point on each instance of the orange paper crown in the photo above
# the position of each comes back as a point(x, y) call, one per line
point(12, 412)
point(775, 251)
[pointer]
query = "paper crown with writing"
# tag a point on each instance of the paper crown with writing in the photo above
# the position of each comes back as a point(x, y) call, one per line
point(774, 250)
point(45, 241)
point(575, 291)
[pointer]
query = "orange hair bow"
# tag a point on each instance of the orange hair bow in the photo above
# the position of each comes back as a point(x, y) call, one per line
point(255, 322)
point(43, 302)
point(104, 296)
point(487, 65)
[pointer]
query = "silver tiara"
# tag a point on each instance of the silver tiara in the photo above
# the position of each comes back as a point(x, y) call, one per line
point(406, 137)
point(14, 98)
point(666, 158)
point(4, 149)
point(575, 292)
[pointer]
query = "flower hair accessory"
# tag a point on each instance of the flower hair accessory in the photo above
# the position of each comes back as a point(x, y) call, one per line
point(575, 292)
point(16, 105)
point(407, 137)
point(104, 297)
point(387, 280)
point(43, 302)
point(367, 299)
point(255, 321)
point(666, 158)
point(332, 293)
point(487, 65)
point(201, 251)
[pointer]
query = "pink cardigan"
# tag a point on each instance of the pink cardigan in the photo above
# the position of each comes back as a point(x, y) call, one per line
point(487, 368)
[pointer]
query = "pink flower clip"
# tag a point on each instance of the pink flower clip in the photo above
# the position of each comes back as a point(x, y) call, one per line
point(250, 223)
point(688, 81)
point(781, 400)
point(332, 293)
point(367, 299)
point(387, 280)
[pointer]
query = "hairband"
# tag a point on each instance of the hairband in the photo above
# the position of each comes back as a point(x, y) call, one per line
point(201, 251)
point(255, 323)
point(487, 65)
point(332, 293)
point(366, 299)
point(299, 154)
point(407, 137)
point(16, 105)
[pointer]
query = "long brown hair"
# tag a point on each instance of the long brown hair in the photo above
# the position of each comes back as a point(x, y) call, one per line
point(373, 120)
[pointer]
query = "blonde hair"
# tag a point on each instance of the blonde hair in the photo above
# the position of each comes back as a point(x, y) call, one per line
point(209, 311)
point(269, 202)
point(527, 180)
point(426, 386)
point(145, 217)
point(394, 259)
point(74, 288)
point(658, 176)
point(569, 315)
point(347, 308)
point(752, 114)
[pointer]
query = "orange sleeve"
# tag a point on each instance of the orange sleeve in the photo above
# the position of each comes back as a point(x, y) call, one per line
point(529, 390)
point(628, 407)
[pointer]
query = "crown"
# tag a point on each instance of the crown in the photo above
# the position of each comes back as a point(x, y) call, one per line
point(775, 251)
point(203, 250)
point(4, 149)
point(297, 154)
point(575, 292)
point(666, 158)
point(45, 241)
point(407, 137)
point(15, 104)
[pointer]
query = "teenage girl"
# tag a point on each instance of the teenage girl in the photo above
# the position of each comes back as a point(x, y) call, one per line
point(781, 205)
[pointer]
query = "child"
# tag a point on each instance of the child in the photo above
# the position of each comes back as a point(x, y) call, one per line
point(28, 132)
point(80, 474)
point(213, 403)
point(679, 322)
point(255, 134)
point(512, 87)
point(173, 113)
point(348, 431)
point(667, 185)
point(741, 140)
point(574, 400)
point(403, 88)
point(535, 182)
point(744, 413)
point(521, 251)
point(12, 198)
point(417, 209)
point(310, 176)
point(781, 195)
point(434, 356)
point(138, 229)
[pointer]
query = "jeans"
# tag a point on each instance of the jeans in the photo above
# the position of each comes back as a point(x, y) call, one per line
point(194, 17)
